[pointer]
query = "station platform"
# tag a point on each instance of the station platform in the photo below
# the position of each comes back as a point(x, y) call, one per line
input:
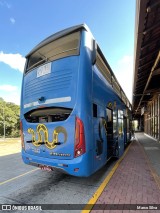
point(135, 185)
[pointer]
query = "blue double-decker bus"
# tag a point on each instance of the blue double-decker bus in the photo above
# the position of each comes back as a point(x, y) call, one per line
point(74, 114)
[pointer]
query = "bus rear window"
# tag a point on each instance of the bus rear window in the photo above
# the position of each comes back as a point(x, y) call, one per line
point(60, 48)
point(46, 115)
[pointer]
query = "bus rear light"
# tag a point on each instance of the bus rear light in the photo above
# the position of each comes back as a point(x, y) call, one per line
point(79, 144)
point(22, 137)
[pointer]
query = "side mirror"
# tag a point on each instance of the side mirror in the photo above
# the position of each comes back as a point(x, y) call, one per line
point(94, 52)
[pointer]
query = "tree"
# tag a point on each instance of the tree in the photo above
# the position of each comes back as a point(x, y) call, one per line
point(12, 120)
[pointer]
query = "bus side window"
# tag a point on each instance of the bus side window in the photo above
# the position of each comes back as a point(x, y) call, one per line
point(120, 123)
point(95, 110)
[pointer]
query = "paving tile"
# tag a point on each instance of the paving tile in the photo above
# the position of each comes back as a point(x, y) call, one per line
point(132, 183)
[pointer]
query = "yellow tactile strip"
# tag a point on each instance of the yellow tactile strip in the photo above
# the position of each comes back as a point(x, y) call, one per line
point(99, 191)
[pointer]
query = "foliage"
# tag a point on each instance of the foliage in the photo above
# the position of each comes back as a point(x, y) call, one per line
point(9, 113)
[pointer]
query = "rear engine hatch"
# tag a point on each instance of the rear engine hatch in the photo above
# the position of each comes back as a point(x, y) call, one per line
point(49, 132)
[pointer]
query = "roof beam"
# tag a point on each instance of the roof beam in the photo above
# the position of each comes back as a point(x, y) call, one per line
point(149, 78)
point(142, 75)
point(141, 81)
point(139, 27)
point(141, 94)
point(156, 72)
point(147, 55)
point(150, 8)
point(146, 64)
point(150, 43)
point(151, 28)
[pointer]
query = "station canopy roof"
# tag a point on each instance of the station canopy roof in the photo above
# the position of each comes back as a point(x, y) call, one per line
point(146, 81)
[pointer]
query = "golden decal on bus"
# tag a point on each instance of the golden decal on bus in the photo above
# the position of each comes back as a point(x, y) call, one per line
point(42, 133)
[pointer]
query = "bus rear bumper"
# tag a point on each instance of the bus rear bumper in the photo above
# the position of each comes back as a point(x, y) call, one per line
point(76, 166)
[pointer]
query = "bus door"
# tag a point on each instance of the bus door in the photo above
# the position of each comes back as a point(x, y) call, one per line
point(115, 134)
point(99, 135)
point(109, 113)
point(129, 129)
point(125, 130)
point(120, 133)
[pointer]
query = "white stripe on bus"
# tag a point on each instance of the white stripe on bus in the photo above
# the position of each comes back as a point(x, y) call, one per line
point(49, 101)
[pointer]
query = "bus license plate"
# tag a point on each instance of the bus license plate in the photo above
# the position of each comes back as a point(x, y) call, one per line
point(44, 70)
point(46, 168)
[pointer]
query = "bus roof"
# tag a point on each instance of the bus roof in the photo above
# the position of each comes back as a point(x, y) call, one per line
point(69, 31)
point(59, 35)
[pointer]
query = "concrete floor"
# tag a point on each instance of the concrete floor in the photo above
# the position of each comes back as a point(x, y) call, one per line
point(41, 187)
point(152, 149)
point(23, 184)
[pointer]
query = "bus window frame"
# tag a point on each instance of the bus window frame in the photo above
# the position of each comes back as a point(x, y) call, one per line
point(46, 60)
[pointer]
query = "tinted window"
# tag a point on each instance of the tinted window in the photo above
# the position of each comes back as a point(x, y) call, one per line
point(60, 48)
point(95, 110)
point(47, 115)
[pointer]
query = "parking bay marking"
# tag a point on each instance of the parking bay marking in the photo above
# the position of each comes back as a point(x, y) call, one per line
point(6, 181)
